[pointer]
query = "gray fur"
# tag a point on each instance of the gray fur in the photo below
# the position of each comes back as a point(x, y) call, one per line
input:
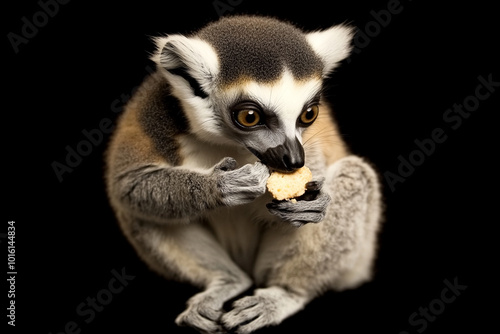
point(167, 193)
point(259, 48)
point(190, 195)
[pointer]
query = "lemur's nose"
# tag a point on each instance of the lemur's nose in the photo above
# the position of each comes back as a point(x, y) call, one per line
point(286, 157)
point(292, 162)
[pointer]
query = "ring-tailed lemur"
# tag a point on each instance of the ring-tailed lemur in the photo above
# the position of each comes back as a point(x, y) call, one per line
point(188, 164)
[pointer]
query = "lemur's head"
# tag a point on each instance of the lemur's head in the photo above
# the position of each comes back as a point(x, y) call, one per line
point(253, 81)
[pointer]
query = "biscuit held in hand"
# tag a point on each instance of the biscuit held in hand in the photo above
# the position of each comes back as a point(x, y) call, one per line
point(284, 186)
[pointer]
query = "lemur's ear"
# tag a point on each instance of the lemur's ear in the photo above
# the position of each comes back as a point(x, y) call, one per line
point(331, 45)
point(190, 58)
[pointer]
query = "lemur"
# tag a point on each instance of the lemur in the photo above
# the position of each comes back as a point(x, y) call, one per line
point(187, 165)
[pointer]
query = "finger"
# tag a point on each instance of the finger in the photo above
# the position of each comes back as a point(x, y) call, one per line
point(315, 185)
point(226, 164)
point(273, 205)
point(308, 196)
point(297, 223)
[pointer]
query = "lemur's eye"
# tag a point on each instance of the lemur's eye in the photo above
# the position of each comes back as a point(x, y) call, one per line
point(248, 117)
point(309, 115)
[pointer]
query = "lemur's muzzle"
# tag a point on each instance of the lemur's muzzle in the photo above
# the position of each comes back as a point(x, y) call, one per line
point(284, 158)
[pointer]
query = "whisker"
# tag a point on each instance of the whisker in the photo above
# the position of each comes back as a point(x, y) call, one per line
point(323, 133)
point(324, 136)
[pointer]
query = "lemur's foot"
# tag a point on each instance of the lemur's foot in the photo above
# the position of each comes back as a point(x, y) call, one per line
point(266, 307)
point(203, 314)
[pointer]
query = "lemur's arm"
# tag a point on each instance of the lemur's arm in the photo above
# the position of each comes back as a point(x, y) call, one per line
point(166, 193)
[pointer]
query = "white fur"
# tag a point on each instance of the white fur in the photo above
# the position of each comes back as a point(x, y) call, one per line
point(331, 45)
point(202, 120)
point(196, 55)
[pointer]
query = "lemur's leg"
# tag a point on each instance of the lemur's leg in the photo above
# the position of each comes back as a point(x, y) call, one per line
point(295, 265)
point(190, 253)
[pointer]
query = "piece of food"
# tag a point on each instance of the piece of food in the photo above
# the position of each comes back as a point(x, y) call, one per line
point(286, 186)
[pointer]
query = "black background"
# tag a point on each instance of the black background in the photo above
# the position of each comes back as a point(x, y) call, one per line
point(395, 90)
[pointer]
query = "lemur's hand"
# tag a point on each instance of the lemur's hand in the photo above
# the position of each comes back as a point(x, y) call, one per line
point(240, 185)
point(309, 208)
